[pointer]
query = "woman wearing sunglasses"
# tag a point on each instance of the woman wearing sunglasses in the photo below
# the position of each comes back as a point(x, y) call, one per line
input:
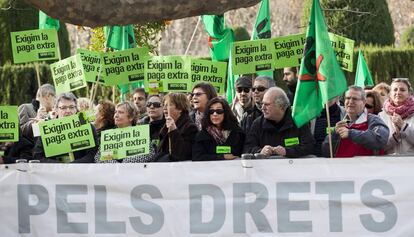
point(373, 102)
point(398, 115)
point(221, 138)
point(155, 116)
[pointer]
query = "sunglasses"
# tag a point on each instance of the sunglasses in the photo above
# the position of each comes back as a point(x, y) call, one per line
point(155, 104)
point(245, 89)
point(217, 111)
point(369, 106)
point(259, 89)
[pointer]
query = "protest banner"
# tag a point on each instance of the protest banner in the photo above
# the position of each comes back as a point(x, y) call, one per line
point(122, 142)
point(171, 70)
point(91, 61)
point(252, 56)
point(124, 67)
point(288, 50)
point(68, 74)
point(366, 196)
point(210, 72)
point(9, 124)
point(344, 50)
point(64, 135)
point(35, 45)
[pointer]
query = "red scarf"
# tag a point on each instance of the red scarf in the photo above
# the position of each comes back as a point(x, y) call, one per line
point(404, 110)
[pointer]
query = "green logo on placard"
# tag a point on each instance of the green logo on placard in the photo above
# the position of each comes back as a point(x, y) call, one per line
point(223, 149)
point(291, 141)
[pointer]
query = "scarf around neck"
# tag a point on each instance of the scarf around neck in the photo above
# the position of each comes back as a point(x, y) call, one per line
point(404, 110)
point(220, 136)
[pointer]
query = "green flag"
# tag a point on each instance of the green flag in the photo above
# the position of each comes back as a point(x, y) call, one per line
point(220, 37)
point(320, 76)
point(46, 22)
point(231, 79)
point(363, 76)
point(261, 29)
point(120, 37)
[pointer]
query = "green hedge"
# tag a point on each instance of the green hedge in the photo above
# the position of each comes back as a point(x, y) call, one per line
point(19, 84)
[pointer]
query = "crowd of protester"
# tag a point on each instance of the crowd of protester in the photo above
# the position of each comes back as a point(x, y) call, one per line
point(203, 126)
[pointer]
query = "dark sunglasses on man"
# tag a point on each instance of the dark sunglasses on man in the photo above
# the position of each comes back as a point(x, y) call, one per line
point(259, 89)
point(155, 104)
point(245, 89)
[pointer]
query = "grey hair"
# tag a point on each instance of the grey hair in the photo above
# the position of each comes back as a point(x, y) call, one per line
point(67, 96)
point(131, 109)
point(269, 80)
point(45, 89)
point(281, 98)
point(360, 90)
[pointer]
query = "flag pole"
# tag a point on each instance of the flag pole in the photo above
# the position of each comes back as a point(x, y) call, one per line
point(37, 74)
point(192, 37)
point(169, 139)
point(328, 120)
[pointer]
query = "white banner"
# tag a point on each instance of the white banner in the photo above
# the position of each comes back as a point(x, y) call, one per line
point(303, 197)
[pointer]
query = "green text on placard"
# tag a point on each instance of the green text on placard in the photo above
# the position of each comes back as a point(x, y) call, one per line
point(64, 135)
point(91, 61)
point(210, 72)
point(35, 45)
point(123, 142)
point(252, 56)
point(68, 74)
point(9, 124)
point(124, 67)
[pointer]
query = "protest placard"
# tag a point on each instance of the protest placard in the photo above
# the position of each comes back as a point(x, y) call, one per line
point(124, 67)
point(344, 50)
point(68, 74)
point(123, 142)
point(91, 61)
point(171, 70)
point(35, 45)
point(288, 50)
point(208, 71)
point(252, 56)
point(64, 135)
point(9, 124)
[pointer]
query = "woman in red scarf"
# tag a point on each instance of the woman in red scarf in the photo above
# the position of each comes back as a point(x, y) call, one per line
point(221, 138)
point(398, 115)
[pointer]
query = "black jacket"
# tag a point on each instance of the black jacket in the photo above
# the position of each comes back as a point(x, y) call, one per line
point(204, 148)
point(249, 117)
point(264, 132)
point(82, 156)
point(155, 126)
point(181, 139)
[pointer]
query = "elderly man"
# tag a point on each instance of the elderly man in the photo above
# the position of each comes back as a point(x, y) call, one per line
point(260, 86)
point(66, 105)
point(359, 133)
point(244, 101)
point(36, 111)
point(275, 133)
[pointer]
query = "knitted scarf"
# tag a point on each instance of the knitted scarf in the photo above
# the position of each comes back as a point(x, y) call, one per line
point(404, 110)
point(220, 136)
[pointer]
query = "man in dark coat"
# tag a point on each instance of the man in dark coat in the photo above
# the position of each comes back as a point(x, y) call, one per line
point(274, 133)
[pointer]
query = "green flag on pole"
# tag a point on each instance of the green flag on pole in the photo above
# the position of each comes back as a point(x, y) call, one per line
point(363, 76)
point(320, 76)
point(120, 37)
point(220, 37)
point(46, 22)
point(262, 28)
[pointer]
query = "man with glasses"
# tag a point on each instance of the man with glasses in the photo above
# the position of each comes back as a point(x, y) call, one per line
point(66, 105)
point(274, 133)
point(260, 86)
point(359, 133)
point(244, 101)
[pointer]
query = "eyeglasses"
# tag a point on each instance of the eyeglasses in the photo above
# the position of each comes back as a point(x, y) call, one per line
point(368, 106)
point(217, 111)
point(259, 89)
point(155, 104)
point(352, 98)
point(245, 89)
point(197, 94)
point(72, 107)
